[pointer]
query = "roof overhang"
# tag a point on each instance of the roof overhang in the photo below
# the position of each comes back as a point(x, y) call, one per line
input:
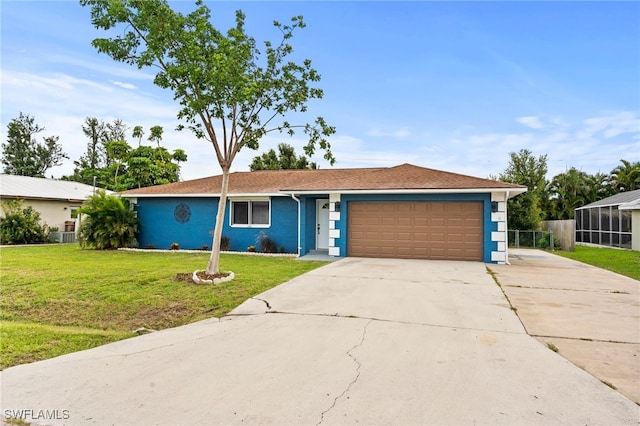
point(630, 206)
point(511, 192)
point(207, 195)
point(30, 198)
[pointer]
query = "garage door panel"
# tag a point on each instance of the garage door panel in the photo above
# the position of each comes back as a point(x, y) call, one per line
point(425, 230)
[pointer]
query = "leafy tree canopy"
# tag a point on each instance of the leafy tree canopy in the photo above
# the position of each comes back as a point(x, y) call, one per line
point(23, 155)
point(118, 166)
point(285, 159)
point(231, 93)
point(525, 210)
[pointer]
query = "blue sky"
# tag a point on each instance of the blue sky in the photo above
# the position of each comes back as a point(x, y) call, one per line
point(454, 86)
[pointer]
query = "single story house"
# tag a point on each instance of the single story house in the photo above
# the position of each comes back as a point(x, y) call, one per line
point(611, 222)
point(57, 201)
point(404, 211)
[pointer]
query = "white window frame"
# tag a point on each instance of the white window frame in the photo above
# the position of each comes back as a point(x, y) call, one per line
point(249, 200)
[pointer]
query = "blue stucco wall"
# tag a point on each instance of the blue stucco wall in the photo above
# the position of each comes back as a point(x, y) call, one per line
point(159, 227)
point(488, 226)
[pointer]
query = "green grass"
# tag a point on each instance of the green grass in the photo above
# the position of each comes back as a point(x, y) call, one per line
point(624, 262)
point(57, 299)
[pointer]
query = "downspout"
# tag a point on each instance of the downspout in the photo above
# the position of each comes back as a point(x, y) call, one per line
point(506, 241)
point(297, 200)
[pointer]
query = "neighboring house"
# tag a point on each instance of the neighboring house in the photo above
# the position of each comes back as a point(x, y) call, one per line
point(404, 211)
point(57, 201)
point(612, 222)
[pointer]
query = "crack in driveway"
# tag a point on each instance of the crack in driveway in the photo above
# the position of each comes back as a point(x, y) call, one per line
point(266, 302)
point(358, 363)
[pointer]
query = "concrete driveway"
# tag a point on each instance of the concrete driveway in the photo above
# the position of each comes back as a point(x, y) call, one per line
point(359, 341)
point(590, 315)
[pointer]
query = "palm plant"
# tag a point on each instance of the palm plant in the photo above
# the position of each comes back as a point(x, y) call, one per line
point(567, 193)
point(109, 223)
point(626, 177)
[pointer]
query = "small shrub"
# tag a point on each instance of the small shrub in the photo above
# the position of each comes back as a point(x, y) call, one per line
point(175, 246)
point(21, 225)
point(225, 243)
point(251, 248)
point(109, 223)
point(266, 243)
point(545, 242)
point(205, 247)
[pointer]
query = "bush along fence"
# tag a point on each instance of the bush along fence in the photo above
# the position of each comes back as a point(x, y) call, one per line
point(533, 239)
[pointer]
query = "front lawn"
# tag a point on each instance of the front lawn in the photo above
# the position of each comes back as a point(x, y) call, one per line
point(625, 262)
point(56, 299)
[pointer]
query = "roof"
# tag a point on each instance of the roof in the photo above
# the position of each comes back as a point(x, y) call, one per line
point(628, 198)
point(26, 187)
point(405, 177)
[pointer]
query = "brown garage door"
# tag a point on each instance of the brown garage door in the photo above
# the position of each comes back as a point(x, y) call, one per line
point(416, 230)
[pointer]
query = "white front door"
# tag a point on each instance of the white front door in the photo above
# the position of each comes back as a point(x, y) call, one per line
point(322, 224)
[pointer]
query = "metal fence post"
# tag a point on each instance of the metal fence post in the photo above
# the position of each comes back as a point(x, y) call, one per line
point(551, 240)
point(517, 239)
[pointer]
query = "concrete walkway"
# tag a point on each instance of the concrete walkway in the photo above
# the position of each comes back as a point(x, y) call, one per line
point(359, 341)
point(590, 315)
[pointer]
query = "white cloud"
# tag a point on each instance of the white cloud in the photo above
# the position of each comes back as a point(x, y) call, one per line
point(610, 125)
point(531, 122)
point(124, 85)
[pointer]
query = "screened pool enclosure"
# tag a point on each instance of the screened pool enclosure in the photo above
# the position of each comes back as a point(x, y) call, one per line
point(604, 223)
point(605, 226)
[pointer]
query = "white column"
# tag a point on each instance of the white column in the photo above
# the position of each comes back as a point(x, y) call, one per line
point(334, 217)
point(500, 236)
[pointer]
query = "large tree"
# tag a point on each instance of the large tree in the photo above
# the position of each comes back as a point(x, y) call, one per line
point(117, 166)
point(525, 211)
point(231, 93)
point(285, 159)
point(23, 155)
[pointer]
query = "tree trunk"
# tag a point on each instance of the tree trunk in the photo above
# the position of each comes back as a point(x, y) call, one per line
point(213, 266)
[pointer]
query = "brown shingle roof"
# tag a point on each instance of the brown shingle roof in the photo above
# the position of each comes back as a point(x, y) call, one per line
point(402, 177)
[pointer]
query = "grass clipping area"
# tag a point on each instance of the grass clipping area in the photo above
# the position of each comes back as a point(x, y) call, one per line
point(623, 262)
point(57, 299)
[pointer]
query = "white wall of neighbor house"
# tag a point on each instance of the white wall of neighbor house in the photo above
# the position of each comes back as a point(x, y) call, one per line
point(53, 213)
point(334, 232)
point(499, 217)
point(635, 230)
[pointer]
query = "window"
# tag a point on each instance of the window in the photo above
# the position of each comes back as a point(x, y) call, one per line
point(251, 213)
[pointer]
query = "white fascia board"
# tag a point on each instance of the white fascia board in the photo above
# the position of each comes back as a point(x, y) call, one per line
point(618, 205)
point(206, 195)
point(511, 191)
point(629, 206)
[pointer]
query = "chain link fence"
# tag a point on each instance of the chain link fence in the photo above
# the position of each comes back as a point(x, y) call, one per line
point(532, 239)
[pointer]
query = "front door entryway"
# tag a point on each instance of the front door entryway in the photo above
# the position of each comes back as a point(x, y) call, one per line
point(322, 224)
